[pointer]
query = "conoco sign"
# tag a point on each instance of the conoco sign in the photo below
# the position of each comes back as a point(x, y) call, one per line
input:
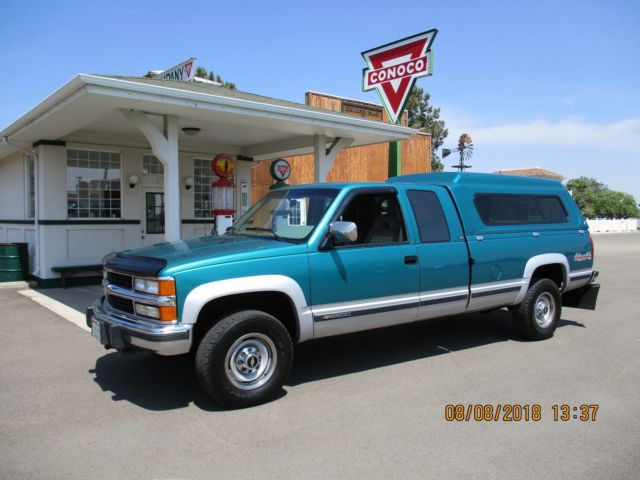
point(392, 69)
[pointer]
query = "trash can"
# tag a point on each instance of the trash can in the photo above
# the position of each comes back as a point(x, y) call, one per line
point(11, 266)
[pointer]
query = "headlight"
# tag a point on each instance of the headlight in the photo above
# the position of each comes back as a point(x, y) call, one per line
point(147, 310)
point(146, 286)
point(163, 313)
point(155, 287)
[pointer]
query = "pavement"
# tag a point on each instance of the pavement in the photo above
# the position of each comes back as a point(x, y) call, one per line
point(368, 405)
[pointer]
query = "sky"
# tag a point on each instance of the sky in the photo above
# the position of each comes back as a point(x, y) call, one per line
point(554, 84)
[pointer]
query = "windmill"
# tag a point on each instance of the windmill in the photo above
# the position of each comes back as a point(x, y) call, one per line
point(465, 147)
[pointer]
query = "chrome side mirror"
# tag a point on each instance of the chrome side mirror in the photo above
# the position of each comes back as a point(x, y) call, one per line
point(344, 232)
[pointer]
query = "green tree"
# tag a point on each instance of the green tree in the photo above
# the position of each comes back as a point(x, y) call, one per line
point(202, 72)
point(426, 117)
point(597, 200)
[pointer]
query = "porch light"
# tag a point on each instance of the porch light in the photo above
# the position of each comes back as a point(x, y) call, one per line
point(188, 183)
point(191, 131)
point(133, 180)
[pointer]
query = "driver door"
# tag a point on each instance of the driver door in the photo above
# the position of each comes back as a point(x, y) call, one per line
point(372, 282)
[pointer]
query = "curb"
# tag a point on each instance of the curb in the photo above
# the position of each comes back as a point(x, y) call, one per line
point(60, 309)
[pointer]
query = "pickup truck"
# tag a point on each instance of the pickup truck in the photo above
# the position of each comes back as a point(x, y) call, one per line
point(313, 261)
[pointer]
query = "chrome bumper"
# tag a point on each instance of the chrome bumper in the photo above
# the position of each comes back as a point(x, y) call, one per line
point(119, 330)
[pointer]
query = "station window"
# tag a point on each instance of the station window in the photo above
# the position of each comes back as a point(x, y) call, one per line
point(93, 184)
point(151, 165)
point(202, 179)
point(514, 209)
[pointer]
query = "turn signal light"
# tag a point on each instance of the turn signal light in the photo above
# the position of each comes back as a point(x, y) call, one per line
point(168, 314)
point(166, 288)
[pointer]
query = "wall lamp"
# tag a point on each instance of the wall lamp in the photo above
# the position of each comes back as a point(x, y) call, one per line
point(191, 131)
point(188, 183)
point(133, 180)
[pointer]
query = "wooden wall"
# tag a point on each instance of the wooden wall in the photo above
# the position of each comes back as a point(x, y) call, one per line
point(368, 163)
point(358, 164)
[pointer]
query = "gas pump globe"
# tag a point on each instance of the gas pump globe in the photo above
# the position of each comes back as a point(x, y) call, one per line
point(222, 166)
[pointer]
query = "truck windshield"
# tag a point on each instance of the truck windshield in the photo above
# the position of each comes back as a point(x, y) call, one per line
point(288, 214)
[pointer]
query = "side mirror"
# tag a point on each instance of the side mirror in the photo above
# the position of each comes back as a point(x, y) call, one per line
point(344, 232)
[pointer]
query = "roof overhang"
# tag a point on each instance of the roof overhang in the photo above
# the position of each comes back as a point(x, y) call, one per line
point(87, 107)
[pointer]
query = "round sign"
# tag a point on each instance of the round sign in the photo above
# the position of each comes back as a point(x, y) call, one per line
point(222, 165)
point(280, 169)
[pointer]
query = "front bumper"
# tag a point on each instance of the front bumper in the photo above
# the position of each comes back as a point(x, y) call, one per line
point(119, 330)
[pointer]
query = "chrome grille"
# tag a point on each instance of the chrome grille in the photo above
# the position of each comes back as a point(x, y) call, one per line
point(120, 279)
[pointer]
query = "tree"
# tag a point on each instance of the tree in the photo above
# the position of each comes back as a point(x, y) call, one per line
point(597, 200)
point(202, 72)
point(426, 117)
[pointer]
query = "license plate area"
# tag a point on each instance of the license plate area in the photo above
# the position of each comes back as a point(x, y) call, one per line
point(96, 330)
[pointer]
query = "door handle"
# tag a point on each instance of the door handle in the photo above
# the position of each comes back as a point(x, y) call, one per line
point(411, 260)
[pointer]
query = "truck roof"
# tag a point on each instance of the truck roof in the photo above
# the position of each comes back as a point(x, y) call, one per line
point(448, 179)
point(451, 179)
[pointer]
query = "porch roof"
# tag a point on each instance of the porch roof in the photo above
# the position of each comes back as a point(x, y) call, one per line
point(229, 121)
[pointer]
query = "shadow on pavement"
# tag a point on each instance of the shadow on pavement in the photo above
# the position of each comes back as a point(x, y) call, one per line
point(167, 383)
point(78, 298)
point(150, 381)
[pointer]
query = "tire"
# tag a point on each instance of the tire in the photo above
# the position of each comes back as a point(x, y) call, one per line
point(244, 359)
point(536, 318)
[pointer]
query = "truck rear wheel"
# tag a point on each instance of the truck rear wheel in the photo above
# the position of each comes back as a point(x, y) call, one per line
point(244, 359)
point(536, 318)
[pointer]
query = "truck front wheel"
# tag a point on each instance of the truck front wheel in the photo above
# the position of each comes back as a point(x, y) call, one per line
point(536, 318)
point(244, 359)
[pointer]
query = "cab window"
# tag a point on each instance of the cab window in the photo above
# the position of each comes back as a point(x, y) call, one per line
point(378, 218)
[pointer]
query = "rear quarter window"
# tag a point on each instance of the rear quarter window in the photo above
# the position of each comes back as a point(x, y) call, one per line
point(516, 209)
point(432, 223)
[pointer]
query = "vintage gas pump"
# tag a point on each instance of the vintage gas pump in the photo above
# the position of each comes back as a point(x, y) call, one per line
point(223, 167)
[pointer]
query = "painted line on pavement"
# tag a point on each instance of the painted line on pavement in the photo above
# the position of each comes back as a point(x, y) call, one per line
point(60, 309)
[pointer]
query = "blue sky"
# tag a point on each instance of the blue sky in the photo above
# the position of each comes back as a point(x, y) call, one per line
point(550, 84)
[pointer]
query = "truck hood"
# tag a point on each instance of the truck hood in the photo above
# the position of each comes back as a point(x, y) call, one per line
point(172, 256)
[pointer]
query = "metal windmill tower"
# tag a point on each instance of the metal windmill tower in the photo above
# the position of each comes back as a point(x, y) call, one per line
point(465, 147)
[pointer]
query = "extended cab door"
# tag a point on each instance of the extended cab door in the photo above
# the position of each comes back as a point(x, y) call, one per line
point(372, 282)
point(442, 253)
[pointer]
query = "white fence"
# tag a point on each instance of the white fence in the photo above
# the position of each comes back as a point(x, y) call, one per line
point(613, 224)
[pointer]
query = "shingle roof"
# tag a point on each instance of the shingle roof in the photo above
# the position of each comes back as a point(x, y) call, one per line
point(219, 91)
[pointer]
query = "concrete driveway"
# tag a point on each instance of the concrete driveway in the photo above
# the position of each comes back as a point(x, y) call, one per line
point(368, 406)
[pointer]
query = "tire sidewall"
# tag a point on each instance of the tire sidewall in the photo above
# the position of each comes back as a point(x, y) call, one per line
point(526, 316)
point(222, 336)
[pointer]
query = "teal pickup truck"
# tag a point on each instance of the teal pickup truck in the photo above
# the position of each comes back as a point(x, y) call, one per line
point(313, 261)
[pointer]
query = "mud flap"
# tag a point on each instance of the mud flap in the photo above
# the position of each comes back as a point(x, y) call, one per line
point(583, 297)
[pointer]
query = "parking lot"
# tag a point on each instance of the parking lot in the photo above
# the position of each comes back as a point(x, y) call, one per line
point(370, 405)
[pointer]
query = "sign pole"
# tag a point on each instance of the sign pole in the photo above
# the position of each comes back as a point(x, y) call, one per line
point(395, 159)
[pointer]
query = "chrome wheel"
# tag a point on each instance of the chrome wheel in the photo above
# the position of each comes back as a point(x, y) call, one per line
point(545, 309)
point(251, 361)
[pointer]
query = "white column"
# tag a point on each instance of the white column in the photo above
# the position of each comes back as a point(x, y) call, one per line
point(324, 157)
point(164, 146)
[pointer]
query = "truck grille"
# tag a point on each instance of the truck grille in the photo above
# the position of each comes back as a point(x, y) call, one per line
point(119, 303)
point(120, 279)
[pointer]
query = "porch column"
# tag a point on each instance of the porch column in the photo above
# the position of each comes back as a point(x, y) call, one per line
point(164, 146)
point(324, 157)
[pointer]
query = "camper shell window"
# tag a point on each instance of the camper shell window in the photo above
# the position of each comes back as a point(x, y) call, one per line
point(515, 209)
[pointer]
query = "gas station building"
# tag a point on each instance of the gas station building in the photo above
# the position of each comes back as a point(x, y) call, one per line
point(108, 163)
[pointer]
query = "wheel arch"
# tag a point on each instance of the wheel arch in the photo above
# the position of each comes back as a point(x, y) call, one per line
point(554, 266)
point(277, 295)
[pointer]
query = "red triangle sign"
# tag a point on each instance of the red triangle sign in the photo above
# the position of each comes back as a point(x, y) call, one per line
point(392, 69)
point(187, 67)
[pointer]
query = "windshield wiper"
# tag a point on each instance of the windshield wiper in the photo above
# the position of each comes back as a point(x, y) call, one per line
point(262, 229)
